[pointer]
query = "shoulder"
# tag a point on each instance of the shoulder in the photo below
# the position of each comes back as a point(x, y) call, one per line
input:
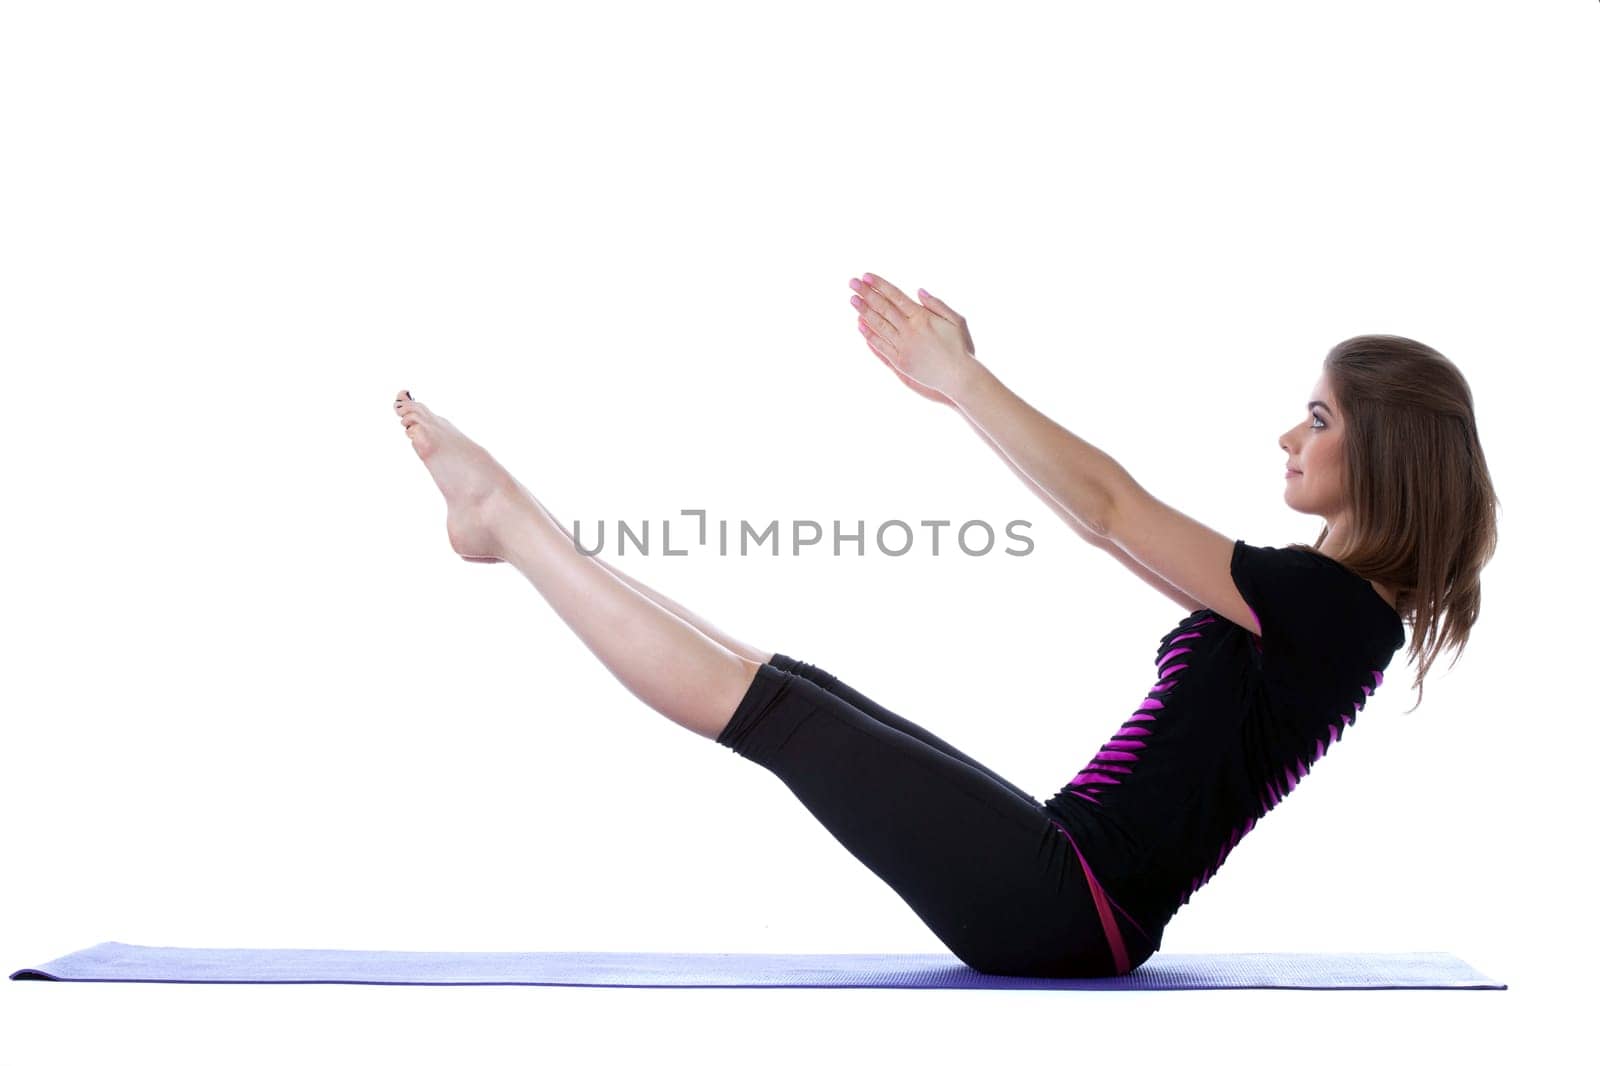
point(1290, 563)
point(1274, 582)
point(1309, 605)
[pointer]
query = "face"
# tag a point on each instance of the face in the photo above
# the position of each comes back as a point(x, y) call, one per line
point(1313, 448)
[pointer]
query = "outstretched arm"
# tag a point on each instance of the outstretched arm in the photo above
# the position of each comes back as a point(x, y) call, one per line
point(1033, 486)
point(881, 349)
point(1105, 544)
point(929, 346)
point(1078, 476)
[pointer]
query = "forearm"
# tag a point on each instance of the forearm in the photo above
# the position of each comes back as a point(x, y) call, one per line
point(1079, 477)
point(1033, 486)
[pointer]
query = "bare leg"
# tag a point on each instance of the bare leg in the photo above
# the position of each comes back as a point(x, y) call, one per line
point(662, 659)
point(738, 647)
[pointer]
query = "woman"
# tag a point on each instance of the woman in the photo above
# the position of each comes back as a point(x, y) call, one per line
point(1279, 652)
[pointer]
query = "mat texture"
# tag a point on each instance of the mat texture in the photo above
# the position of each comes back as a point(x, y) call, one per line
point(113, 961)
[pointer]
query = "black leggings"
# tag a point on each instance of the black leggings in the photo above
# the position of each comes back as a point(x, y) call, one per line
point(995, 877)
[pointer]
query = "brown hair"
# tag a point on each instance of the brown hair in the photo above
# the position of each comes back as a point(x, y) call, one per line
point(1420, 504)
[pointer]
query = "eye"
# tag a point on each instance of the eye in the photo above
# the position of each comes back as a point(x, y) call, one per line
point(1315, 418)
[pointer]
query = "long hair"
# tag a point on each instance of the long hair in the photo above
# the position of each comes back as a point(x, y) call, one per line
point(1420, 503)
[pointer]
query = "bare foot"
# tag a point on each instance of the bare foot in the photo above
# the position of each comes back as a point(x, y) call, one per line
point(476, 488)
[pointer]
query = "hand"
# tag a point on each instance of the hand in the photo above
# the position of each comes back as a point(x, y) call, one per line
point(927, 345)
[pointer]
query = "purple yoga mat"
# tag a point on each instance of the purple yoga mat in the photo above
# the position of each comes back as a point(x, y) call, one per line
point(113, 961)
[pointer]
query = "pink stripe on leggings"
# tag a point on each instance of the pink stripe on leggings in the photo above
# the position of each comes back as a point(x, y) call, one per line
point(1102, 904)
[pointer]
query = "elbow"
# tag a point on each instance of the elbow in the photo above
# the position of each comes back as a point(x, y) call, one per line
point(1104, 521)
point(1101, 524)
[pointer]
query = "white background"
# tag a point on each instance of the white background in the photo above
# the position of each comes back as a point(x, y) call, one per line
point(252, 699)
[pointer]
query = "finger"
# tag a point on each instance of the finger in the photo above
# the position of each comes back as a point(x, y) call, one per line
point(901, 302)
point(931, 301)
point(880, 323)
point(866, 331)
point(868, 298)
point(949, 314)
point(879, 344)
point(882, 359)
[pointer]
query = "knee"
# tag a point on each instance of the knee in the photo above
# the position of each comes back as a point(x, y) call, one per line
point(812, 673)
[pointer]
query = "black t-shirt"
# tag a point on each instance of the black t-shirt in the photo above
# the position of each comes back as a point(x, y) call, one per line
point(1232, 723)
